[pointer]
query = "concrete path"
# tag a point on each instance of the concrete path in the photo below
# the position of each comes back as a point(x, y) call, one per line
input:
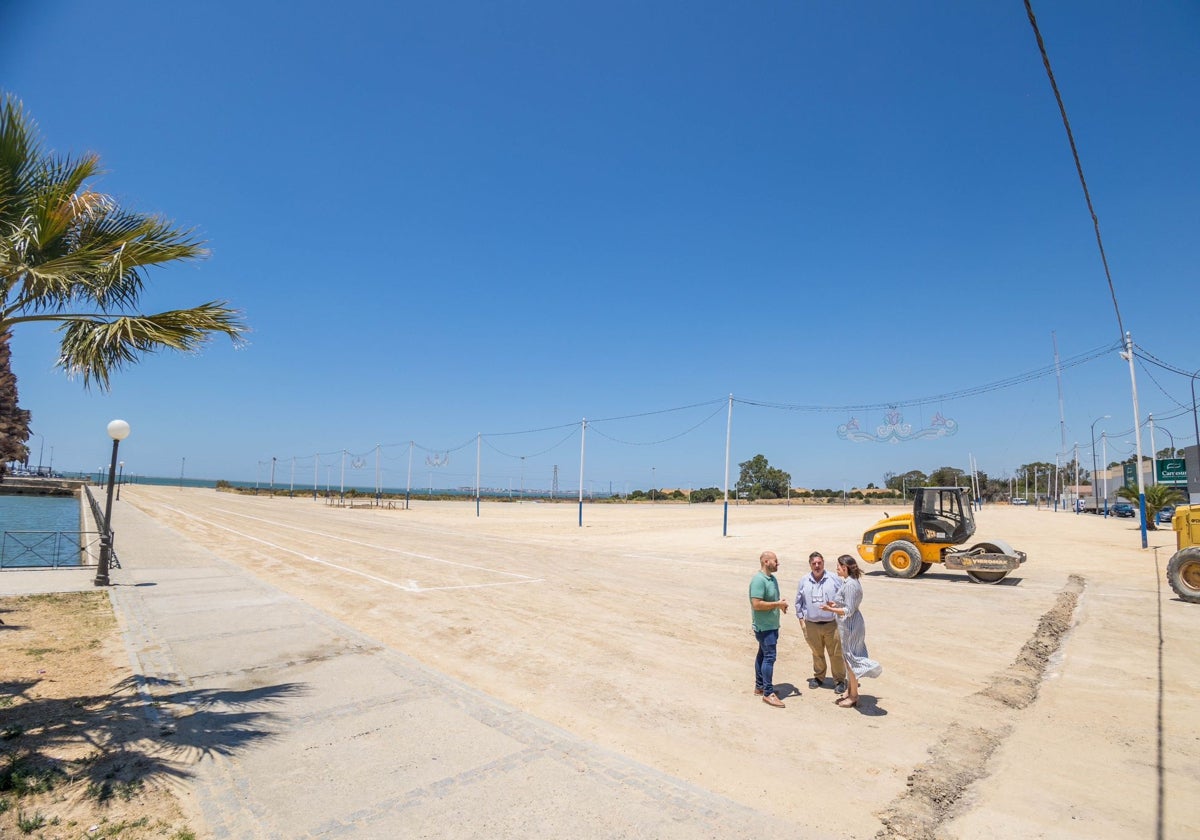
point(293, 725)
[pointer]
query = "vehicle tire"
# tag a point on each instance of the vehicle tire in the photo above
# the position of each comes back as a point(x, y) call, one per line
point(925, 567)
point(1183, 573)
point(901, 559)
point(987, 577)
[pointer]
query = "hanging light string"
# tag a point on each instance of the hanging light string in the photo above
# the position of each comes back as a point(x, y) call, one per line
point(570, 434)
point(973, 391)
point(720, 409)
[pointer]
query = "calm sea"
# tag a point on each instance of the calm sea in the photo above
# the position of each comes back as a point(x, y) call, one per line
point(29, 526)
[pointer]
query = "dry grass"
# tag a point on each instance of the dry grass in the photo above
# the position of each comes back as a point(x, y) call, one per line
point(76, 754)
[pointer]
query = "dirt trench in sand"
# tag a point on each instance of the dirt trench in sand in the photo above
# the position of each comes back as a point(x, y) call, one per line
point(960, 756)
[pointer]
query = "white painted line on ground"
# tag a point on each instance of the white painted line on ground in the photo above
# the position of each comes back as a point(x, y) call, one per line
point(376, 547)
point(675, 561)
point(412, 585)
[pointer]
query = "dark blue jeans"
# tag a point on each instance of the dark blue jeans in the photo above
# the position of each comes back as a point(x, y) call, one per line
point(764, 663)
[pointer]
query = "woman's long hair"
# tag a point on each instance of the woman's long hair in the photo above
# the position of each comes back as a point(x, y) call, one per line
point(851, 566)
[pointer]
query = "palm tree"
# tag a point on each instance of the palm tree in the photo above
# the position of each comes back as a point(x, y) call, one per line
point(73, 256)
point(1158, 496)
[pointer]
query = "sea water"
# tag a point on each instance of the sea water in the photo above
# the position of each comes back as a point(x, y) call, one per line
point(39, 530)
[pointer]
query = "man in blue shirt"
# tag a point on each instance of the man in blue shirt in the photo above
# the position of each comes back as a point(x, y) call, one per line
point(819, 625)
point(765, 605)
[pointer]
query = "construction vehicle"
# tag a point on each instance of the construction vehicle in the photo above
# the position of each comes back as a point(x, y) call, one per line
point(1183, 570)
point(910, 543)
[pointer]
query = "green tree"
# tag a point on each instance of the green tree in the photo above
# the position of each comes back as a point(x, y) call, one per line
point(905, 481)
point(760, 480)
point(1158, 496)
point(72, 256)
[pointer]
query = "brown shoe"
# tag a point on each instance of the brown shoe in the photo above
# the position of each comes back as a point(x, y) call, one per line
point(758, 692)
point(772, 700)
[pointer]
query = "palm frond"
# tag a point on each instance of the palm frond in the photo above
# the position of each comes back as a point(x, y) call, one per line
point(94, 346)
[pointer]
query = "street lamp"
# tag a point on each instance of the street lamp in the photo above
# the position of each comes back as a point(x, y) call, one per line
point(120, 479)
point(1104, 454)
point(118, 430)
point(1094, 422)
point(653, 478)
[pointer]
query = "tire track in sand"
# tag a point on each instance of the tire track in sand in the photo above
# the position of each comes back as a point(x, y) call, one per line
point(960, 756)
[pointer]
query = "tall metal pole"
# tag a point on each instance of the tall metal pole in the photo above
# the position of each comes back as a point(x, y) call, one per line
point(182, 464)
point(478, 451)
point(1095, 473)
point(1104, 450)
point(408, 486)
point(120, 478)
point(316, 474)
point(1196, 425)
point(1077, 477)
point(1153, 452)
point(273, 459)
point(292, 483)
point(342, 490)
point(728, 438)
point(1137, 435)
point(582, 438)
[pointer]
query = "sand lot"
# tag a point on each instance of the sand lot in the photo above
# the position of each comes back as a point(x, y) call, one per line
point(633, 632)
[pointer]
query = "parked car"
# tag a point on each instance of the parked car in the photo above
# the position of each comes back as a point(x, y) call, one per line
point(1123, 509)
point(1165, 515)
point(1018, 501)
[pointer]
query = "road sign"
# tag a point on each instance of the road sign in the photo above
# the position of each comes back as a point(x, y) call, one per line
point(1130, 475)
point(1172, 471)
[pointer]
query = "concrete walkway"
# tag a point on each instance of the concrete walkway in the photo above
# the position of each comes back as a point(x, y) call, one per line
point(293, 725)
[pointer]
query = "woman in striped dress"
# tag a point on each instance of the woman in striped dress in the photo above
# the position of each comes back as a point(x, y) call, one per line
point(852, 630)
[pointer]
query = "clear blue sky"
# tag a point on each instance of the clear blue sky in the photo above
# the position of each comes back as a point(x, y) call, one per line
point(459, 217)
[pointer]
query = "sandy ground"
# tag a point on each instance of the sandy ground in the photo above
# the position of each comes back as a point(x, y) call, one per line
point(633, 632)
point(75, 751)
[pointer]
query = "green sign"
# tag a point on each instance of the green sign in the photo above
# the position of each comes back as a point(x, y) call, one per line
point(1130, 475)
point(1172, 471)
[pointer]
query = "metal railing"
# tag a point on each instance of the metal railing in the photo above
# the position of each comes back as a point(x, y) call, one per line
point(48, 549)
point(56, 549)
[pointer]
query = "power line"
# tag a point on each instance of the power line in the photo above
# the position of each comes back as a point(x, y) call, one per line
point(1062, 109)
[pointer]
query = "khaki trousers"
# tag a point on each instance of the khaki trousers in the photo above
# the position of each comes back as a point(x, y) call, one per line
point(823, 639)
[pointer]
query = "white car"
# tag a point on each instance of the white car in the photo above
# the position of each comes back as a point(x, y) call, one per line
point(1018, 501)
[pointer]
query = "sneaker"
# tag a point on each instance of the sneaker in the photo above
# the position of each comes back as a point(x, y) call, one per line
point(840, 688)
point(758, 692)
point(772, 700)
point(814, 683)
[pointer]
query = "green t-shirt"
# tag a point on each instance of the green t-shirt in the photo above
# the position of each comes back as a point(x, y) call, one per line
point(766, 588)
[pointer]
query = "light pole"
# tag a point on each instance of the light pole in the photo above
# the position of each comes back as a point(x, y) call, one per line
point(1094, 473)
point(120, 478)
point(1104, 453)
point(118, 430)
point(1196, 425)
point(653, 478)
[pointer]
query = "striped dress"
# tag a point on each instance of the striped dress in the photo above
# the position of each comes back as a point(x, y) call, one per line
point(853, 631)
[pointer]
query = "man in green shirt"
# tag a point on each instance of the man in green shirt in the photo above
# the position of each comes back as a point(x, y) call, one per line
point(765, 605)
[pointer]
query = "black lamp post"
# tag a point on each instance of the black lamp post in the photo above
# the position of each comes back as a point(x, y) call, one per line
point(120, 478)
point(118, 430)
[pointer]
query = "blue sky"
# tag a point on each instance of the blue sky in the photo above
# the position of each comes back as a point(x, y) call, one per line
point(449, 218)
